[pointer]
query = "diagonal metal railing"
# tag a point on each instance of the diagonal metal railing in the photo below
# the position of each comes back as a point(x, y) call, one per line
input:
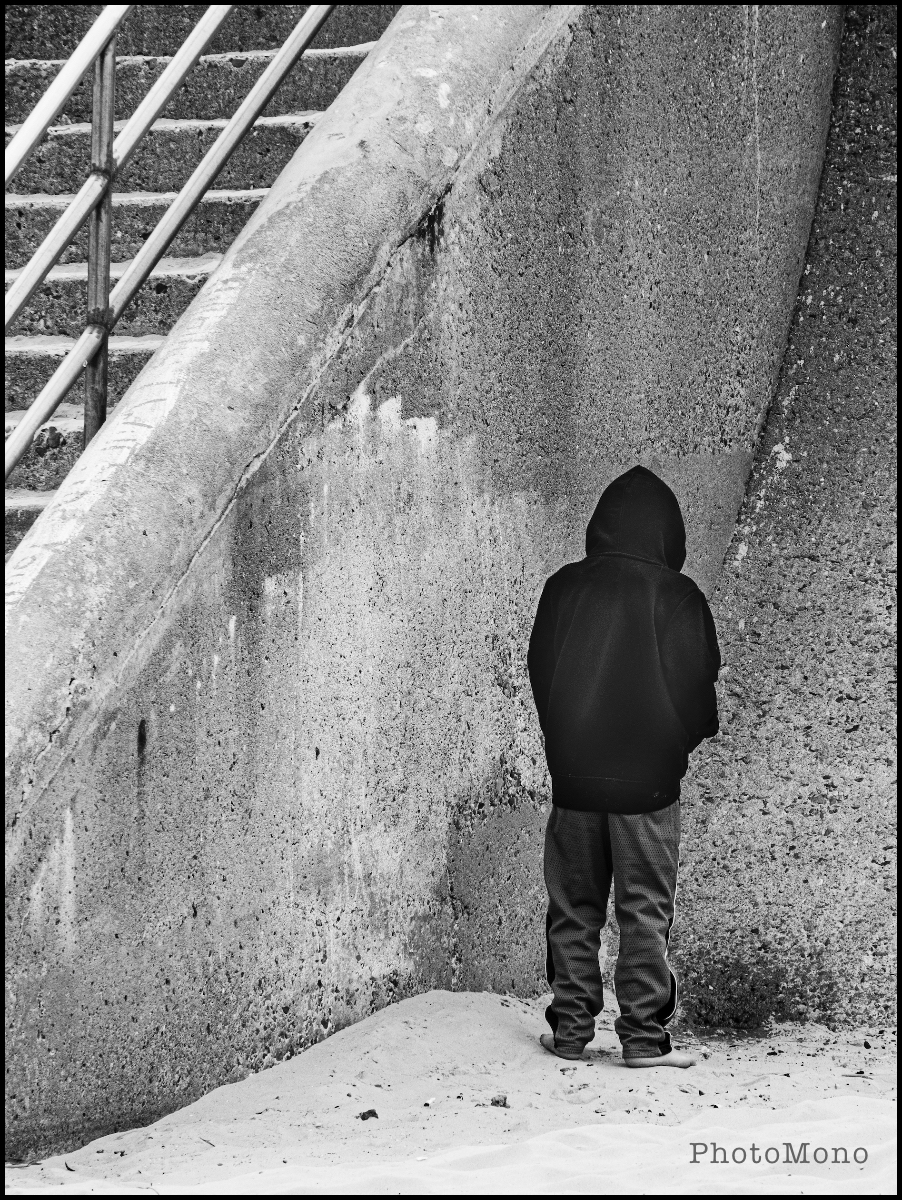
point(73, 72)
point(94, 199)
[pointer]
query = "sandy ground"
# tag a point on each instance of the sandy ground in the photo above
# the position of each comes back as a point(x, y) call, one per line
point(468, 1103)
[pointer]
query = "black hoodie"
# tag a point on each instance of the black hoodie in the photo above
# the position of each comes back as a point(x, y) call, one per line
point(623, 657)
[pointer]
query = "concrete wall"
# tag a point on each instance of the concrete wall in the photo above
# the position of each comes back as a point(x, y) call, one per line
point(272, 758)
point(795, 801)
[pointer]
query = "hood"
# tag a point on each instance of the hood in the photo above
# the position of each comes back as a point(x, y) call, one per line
point(639, 514)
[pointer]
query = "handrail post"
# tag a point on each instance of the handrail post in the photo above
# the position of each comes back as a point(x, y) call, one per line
point(99, 237)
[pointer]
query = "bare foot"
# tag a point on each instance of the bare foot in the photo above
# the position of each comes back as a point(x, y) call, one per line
point(676, 1058)
point(547, 1040)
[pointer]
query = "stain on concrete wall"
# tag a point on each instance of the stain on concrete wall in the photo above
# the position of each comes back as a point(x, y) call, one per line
point(318, 782)
point(788, 887)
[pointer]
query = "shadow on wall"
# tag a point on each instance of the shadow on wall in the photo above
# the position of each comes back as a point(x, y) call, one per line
point(759, 983)
point(497, 897)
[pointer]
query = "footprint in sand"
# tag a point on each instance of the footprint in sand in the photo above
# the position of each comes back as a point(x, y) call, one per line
point(578, 1093)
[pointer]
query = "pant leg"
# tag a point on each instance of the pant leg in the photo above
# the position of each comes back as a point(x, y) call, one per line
point(578, 878)
point(645, 849)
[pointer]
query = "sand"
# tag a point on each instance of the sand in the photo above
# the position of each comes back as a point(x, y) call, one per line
point(468, 1103)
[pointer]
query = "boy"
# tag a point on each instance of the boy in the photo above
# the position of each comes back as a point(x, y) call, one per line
point(623, 659)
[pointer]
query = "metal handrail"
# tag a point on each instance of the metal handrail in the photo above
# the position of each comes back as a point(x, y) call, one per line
point(93, 189)
point(94, 336)
point(73, 72)
point(216, 157)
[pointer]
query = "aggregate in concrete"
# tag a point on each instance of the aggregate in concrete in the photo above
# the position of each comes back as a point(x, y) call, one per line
point(54, 30)
point(166, 158)
point(30, 361)
point(58, 308)
point(53, 452)
point(284, 767)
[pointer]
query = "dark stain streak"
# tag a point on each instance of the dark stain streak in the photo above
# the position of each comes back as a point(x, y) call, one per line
point(431, 226)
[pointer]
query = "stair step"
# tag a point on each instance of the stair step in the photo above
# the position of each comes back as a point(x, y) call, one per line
point(52, 454)
point(23, 507)
point(167, 156)
point(67, 419)
point(59, 305)
point(213, 225)
point(214, 88)
point(30, 361)
point(38, 40)
point(59, 441)
point(54, 30)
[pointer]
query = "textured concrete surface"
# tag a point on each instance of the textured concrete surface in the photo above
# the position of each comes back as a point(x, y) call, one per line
point(273, 759)
point(55, 448)
point(54, 30)
point(58, 307)
point(215, 87)
point(30, 361)
point(795, 801)
point(21, 511)
point(213, 225)
point(167, 156)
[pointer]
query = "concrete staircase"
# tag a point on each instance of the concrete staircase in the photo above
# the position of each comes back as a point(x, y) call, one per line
point(38, 39)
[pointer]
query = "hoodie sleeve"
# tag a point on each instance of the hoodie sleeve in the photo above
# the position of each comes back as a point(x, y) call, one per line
point(690, 657)
point(540, 659)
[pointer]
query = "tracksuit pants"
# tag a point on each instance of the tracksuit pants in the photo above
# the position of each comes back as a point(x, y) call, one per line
point(584, 852)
